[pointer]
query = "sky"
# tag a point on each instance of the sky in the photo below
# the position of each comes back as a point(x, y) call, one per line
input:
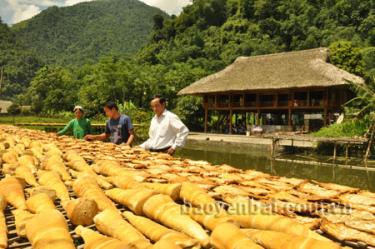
point(14, 11)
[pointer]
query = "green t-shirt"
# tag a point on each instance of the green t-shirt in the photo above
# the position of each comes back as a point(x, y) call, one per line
point(80, 127)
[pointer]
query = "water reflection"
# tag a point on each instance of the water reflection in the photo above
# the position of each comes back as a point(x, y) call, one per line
point(351, 177)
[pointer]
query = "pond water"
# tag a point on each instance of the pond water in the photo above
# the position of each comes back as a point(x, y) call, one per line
point(360, 178)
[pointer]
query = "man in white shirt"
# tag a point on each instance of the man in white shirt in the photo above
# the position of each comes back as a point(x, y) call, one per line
point(167, 132)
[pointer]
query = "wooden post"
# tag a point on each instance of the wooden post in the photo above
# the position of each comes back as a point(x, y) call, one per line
point(347, 151)
point(276, 100)
point(290, 106)
point(230, 120)
point(221, 117)
point(257, 100)
point(274, 146)
point(230, 114)
point(325, 107)
point(205, 117)
point(292, 145)
point(308, 98)
point(327, 93)
point(257, 104)
point(334, 151)
point(371, 139)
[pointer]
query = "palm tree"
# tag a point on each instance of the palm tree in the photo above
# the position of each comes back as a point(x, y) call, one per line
point(363, 106)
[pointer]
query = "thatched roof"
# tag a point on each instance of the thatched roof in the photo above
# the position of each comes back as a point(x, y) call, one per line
point(299, 69)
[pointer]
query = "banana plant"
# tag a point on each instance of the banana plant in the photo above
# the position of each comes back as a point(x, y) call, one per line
point(363, 106)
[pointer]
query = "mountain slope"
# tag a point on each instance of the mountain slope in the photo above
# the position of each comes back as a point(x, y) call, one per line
point(85, 32)
point(17, 64)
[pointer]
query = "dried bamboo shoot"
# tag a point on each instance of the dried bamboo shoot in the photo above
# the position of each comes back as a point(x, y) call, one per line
point(229, 236)
point(49, 230)
point(164, 210)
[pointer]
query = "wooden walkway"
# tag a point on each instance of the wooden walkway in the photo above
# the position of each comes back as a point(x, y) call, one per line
point(290, 140)
point(304, 141)
point(275, 141)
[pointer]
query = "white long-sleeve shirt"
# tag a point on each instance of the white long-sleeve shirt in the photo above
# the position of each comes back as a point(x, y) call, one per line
point(166, 131)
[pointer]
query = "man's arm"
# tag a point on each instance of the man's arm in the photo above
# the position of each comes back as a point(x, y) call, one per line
point(181, 133)
point(131, 137)
point(69, 126)
point(130, 127)
point(100, 137)
point(145, 145)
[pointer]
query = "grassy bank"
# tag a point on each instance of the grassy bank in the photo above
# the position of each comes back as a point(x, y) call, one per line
point(141, 128)
point(354, 128)
point(32, 119)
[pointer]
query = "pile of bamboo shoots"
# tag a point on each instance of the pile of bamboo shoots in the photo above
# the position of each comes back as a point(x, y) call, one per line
point(117, 197)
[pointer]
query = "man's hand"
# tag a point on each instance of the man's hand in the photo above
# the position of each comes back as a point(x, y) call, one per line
point(171, 151)
point(88, 137)
point(53, 135)
point(102, 137)
point(127, 146)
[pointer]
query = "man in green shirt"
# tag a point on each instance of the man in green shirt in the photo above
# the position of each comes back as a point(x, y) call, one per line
point(80, 126)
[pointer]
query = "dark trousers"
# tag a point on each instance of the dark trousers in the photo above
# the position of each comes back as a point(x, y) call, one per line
point(164, 150)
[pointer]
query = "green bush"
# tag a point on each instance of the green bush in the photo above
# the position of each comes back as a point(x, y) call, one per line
point(350, 128)
point(14, 109)
point(26, 110)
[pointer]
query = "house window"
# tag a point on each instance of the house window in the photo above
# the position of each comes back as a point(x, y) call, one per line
point(283, 99)
point(316, 98)
point(267, 100)
point(211, 101)
point(237, 100)
point(300, 99)
point(250, 100)
point(223, 101)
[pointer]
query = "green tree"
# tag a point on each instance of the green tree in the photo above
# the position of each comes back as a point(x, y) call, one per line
point(158, 22)
point(111, 79)
point(52, 90)
point(191, 112)
point(368, 55)
point(344, 55)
